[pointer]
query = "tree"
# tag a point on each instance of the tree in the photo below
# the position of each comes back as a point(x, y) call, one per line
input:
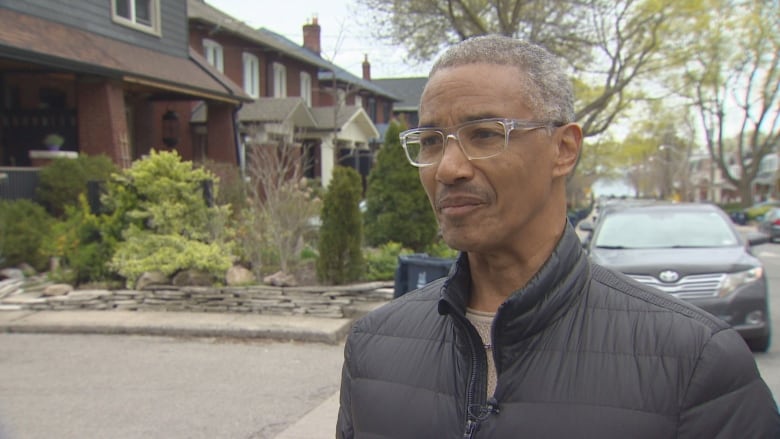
point(341, 234)
point(608, 44)
point(733, 83)
point(397, 208)
point(278, 219)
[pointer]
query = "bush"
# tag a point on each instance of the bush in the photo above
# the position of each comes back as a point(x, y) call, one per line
point(397, 208)
point(381, 262)
point(159, 203)
point(341, 233)
point(61, 182)
point(85, 243)
point(24, 228)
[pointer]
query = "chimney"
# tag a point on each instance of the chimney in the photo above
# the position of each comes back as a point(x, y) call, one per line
point(311, 36)
point(366, 68)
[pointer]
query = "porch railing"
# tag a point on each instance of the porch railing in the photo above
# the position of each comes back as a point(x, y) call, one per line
point(18, 182)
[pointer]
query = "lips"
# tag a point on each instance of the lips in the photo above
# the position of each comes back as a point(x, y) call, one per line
point(458, 204)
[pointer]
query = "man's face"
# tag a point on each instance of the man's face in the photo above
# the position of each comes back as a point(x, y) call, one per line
point(494, 204)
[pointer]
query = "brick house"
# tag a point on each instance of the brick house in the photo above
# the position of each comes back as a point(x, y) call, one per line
point(101, 74)
point(300, 97)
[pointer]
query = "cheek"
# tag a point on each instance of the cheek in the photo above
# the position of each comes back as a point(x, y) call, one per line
point(428, 181)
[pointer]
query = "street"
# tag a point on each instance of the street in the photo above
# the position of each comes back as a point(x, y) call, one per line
point(122, 387)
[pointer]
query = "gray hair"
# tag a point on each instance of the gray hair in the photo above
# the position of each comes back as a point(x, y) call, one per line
point(549, 90)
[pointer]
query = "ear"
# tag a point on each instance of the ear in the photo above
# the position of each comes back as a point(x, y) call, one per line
point(569, 143)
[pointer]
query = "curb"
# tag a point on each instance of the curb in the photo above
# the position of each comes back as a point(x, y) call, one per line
point(177, 324)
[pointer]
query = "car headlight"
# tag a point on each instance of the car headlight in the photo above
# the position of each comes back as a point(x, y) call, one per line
point(732, 281)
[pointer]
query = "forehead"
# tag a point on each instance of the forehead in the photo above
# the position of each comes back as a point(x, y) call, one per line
point(456, 94)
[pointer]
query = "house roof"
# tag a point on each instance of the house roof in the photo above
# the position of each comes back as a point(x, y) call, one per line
point(278, 110)
point(268, 110)
point(408, 90)
point(36, 40)
point(329, 119)
point(199, 10)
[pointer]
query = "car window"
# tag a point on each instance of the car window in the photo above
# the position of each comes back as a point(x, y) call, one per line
point(664, 229)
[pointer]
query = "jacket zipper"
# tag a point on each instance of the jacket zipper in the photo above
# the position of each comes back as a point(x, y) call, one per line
point(473, 401)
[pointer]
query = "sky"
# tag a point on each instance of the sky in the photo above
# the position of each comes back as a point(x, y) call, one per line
point(343, 41)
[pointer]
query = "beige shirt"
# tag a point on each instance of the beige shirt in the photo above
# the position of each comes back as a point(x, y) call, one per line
point(483, 321)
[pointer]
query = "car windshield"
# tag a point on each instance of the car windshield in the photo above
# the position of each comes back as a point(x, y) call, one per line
point(664, 229)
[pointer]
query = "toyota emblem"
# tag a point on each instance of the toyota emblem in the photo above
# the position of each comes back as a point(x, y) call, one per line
point(669, 276)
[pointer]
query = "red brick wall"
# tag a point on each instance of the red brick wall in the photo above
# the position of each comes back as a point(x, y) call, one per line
point(221, 138)
point(102, 121)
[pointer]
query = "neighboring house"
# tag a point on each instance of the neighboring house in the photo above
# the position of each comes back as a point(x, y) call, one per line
point(765, 185)
point(409, 90)
point(290, 83)
point(707, 182)
point(102, 74)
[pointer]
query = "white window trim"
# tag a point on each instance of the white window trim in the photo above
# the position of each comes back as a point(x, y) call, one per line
point(251, 75)
point(358, 100)
point(214, 54)
point(306, 87)
point(154, 29)
point(280, 80)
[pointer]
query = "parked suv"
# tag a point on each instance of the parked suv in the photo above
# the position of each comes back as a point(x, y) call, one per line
point(691, 251)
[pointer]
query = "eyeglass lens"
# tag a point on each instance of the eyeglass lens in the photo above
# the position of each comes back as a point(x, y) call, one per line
point(478, 140)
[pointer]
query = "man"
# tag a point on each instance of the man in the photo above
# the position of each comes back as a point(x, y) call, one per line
point(526, 337)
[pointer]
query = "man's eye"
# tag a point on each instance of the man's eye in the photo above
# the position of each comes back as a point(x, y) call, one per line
point(430, 140)
point(484, 134)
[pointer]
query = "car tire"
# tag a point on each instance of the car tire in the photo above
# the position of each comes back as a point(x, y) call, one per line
point(759, 344)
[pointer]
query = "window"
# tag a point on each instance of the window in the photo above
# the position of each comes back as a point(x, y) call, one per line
point(143, 15)
point(306, 87)
point(358, 100)
point(280, 81)
point(213, 52)
point(251, 75)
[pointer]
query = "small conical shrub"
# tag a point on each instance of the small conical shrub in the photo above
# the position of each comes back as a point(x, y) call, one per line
point(341, 234)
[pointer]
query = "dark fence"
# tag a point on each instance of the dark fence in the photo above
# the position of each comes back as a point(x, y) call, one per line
point(18, 183)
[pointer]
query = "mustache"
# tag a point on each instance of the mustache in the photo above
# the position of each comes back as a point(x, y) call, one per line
point(461, 192)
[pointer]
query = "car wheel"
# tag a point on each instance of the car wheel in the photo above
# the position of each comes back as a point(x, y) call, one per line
point(759, 344)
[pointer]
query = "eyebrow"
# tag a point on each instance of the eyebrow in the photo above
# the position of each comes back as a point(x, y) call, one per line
point(471, 118)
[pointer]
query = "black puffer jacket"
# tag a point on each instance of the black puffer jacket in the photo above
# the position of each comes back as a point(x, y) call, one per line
point(581, 352)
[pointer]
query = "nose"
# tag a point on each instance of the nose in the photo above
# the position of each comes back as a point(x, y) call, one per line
point(454, 165)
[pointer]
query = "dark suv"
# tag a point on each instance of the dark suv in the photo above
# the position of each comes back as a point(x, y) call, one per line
point(691, 251)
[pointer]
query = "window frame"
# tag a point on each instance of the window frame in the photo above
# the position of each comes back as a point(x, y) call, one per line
point(215, 54)
point(280, 80)
point(306, 87)
point(251, 74)
point(155, 28)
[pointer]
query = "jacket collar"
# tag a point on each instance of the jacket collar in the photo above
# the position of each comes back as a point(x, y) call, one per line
point(541, 301)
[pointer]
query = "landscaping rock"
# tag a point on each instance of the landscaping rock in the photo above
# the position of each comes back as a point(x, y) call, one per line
point(280, 279)
point(238, 275)
point(54, 290)
point(151, 278)
point(193, 278)
point(12, 273)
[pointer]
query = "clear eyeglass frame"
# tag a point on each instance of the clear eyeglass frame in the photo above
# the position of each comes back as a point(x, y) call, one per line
point(477, 139)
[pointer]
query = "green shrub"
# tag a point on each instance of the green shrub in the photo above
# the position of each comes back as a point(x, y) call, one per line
point(341, 233)
point(397, 208)
point(168, 253)
point(61, 182)
point(24, 228)
point(440, 249)
point(168, 227)
point(382, 261)
point(84, 243)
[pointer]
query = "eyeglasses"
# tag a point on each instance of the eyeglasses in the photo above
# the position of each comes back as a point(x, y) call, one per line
point(478, 139)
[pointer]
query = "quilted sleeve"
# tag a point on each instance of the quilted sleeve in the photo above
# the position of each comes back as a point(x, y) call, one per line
point(344, 429)
point(726, 397)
